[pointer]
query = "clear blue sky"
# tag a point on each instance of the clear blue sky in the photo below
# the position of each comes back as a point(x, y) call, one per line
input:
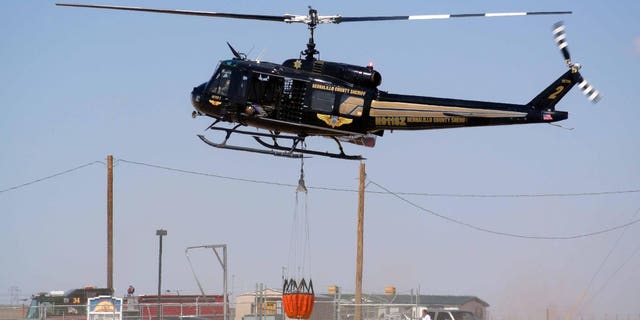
point(79, 84)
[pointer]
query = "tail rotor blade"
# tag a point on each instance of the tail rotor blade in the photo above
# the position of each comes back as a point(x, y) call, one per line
point(561, 40)
point(592, 94)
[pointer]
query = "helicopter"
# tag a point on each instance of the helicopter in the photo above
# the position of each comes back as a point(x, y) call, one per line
point(307, 97)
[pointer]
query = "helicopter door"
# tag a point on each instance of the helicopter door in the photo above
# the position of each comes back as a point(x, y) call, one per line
point(291, 102)
point(238, 92)
point(265, 89)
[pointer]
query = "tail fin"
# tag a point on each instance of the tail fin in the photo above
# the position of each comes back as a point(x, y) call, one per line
point(550, 96)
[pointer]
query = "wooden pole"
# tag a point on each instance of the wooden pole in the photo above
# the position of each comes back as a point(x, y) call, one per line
point(160, 233)
point(360, 241)
point(110, 222)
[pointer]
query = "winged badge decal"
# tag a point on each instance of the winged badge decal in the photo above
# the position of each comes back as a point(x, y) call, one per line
point(334, 121)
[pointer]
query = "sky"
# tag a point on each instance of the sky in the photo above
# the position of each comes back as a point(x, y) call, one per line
point(77, 85)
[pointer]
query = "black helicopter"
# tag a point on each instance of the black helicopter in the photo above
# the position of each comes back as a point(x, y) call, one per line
point(306, 96)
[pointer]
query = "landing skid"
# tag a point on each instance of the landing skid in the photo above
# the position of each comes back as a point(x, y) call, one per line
point(274, 148)
point(238, 148)
point(340, 155)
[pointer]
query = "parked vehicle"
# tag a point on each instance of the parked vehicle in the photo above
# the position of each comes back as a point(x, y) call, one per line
point(70, 305)
point(450, 314)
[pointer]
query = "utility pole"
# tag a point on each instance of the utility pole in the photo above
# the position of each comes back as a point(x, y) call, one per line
point(160, 233)
point(110, 222)
point(360, 241)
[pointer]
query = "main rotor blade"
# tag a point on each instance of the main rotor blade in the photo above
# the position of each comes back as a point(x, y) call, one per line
point(447, 16)
point(284, 18)
point(306, 19)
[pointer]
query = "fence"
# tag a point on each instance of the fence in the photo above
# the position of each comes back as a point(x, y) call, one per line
point(11, 312)
point(272, 310)
point(137, 311)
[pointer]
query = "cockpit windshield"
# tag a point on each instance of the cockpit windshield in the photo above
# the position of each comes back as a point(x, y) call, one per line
point(221, 82)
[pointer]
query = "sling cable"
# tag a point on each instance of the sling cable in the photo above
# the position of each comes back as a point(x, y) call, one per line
point(297, 290)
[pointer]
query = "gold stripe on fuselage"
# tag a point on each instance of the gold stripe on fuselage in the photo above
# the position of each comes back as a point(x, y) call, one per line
point(405, 109)
point(352, 106)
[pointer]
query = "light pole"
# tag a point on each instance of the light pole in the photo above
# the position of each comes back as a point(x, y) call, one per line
point(160, 233)
point(223, 264)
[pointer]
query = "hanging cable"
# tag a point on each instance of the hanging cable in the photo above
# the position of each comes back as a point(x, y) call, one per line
point(443, 195)
point(52, 176)
point(579, 303)
point(424, 194)
point(612, 275)
point(604, 261)
point(506, 234)
point(195, 276)
point(297, 290)
point(301, 185)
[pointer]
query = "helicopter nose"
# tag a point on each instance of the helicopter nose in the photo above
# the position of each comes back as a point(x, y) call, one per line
point(196, 96)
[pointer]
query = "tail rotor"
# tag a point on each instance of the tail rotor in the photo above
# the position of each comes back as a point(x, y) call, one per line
point(561, 41)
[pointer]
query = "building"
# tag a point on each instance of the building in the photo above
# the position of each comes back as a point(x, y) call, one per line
point(405, 305)
point(267, 305)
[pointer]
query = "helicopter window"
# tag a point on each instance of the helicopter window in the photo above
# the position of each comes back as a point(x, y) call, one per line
point(221, 82)
point(322, 101)
point(241, 90)
point(264, 89)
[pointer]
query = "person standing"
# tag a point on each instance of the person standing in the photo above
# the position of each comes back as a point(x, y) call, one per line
point(425, 315)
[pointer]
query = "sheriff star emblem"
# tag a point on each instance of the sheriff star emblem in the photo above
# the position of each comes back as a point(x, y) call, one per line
point(297, 64)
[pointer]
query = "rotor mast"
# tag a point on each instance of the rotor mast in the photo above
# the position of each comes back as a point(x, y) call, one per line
point(311, 51)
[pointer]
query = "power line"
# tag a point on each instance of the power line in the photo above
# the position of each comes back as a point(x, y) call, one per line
point(612, 275)
point(521, 195)
point(386, 191)
point(579, 304)
point(441, 195)
point(506, 234)
point(206, 174)
point(449, 195)
point(51, 176)
point(280, 184)
point(615, 245)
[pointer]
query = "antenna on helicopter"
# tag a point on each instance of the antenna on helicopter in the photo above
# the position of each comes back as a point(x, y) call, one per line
point(236, 54)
